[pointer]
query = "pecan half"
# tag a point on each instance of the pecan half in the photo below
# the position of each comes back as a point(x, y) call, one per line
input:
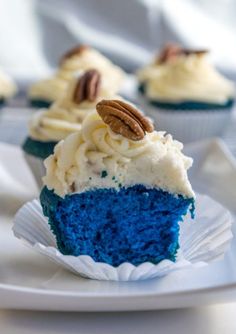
point(199, 52)
point(124, 119)
point(87, 87)
point(74, 51)
point(171, 51)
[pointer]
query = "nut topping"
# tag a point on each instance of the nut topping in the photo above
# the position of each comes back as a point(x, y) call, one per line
point(124, 119)
point(171, 51)
point(87, 87)
point(74, 51)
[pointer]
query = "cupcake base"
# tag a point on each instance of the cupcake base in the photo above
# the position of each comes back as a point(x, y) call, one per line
point(134, 224)
point(38, 103)
point(212, 226)
point(193, 106)
point(35, 152)
point(38, 148)
point(2, 102)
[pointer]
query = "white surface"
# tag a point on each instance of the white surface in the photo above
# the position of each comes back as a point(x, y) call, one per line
point(202, 240)
point(27, 280)
point(47, 28)
point(206, 320)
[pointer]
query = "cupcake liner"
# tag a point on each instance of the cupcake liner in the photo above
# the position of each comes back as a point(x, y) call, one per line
point(190, 125)
point(201, 241)
point(37, 168)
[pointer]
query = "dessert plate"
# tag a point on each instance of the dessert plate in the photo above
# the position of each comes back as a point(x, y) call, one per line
point(30, 281)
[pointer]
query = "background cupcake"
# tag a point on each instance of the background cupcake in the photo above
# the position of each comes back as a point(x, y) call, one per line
point(188, 97)
point(136, 176)
point(80, 58)
point(7, 88)
point(48, 126)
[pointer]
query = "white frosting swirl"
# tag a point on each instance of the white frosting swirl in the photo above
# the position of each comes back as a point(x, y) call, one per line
point(150, 71)
point(96, 157)
point(52, 89)
point(64, 116)
point(189, 78)
point(7, 86)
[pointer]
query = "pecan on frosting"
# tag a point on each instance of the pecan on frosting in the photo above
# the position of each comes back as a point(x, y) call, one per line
point(79, 49)
point(87, 87)
point(124, 119)
point(171, 51)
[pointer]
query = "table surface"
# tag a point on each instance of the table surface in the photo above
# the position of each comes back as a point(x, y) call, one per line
point(206, 320)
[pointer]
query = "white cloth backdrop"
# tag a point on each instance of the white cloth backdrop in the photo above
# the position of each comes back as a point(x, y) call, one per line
point(34, 33)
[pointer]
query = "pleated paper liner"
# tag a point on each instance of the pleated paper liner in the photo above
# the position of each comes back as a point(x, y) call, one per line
point(202, 240)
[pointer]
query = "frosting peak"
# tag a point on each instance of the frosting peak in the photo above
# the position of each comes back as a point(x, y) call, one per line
point(190, 77)
point(66, 115)
point(96, 157)
point(51, 89)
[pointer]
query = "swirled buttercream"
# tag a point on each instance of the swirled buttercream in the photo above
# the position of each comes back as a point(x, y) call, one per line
point(96, 157)
point(52, 89)
point(64, 116)
point(189, 78)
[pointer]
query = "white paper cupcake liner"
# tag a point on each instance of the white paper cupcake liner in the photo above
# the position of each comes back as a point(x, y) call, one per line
point(37, 168)
point(190, 125)
point(202, 240)
point(187, 125)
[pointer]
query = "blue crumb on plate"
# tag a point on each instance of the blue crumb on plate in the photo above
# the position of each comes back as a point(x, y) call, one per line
point(38, 148)
point(38, 103)
point(134, 224)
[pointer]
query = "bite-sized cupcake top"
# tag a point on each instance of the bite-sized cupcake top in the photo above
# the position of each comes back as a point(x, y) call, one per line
point(117, 147)
point(66, 115)
point(7, 86)
point(80, 58)
point(188, 76)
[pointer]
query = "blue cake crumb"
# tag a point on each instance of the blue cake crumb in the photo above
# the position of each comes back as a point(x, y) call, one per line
point(134, 224)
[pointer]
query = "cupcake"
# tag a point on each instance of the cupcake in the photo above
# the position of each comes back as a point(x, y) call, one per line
point(48, 126)
point(81, 58)
point(7, 88)
point(188, 97)
point(117, 190)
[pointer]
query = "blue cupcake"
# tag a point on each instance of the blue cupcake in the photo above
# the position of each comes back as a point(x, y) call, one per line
point(48, 126)
point(187, 96)
point(117, 190)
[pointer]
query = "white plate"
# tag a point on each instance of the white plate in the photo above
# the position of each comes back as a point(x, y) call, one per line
point(29, 281)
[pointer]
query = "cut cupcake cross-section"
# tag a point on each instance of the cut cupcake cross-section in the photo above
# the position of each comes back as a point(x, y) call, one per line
point(117, 190)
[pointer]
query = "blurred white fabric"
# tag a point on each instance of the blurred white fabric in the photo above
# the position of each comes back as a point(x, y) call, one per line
point(37, 32)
